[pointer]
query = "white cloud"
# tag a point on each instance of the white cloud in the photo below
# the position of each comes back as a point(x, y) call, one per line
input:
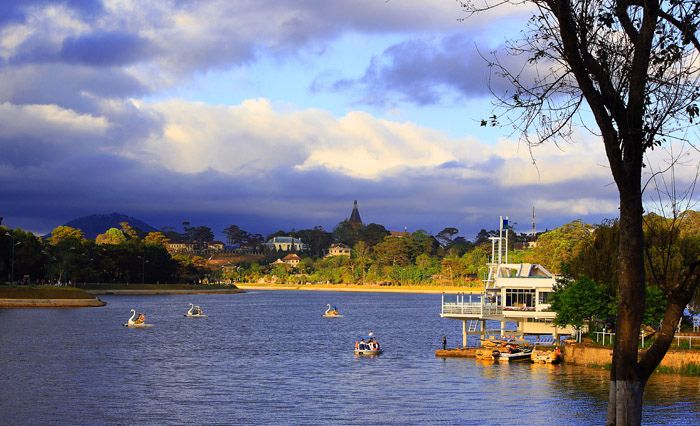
point(258, 136)
point(47, 122)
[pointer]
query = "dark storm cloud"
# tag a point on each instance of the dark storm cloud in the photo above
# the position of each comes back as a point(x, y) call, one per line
point(12, 11)
point(77, 88)
point(96, 182)
point(429, 70)
point(106, 48)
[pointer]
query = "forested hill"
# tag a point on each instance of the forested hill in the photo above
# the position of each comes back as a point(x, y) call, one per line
point(98, 223)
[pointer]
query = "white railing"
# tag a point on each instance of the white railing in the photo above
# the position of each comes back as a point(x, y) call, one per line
point(469, 306)
point(688, 338)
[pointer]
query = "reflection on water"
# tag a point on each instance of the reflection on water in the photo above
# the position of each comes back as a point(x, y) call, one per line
point(269, 357)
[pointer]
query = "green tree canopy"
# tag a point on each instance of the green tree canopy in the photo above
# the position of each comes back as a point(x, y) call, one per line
point(64, 233)
point(112, 236)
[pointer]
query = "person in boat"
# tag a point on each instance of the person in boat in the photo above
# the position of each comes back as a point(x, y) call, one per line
point(140, 319)
point(197, 310)
point(363, 345)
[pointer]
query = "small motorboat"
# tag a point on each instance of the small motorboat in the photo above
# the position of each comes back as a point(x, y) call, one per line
point(195, 311)
point(511, 352)
point(331, 312)
point(137, 321)
point(370, 347)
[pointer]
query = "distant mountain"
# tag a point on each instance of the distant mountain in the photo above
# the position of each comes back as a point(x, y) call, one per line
point(99, 223)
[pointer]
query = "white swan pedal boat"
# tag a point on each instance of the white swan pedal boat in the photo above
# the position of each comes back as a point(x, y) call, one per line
point(331, 312)
point(195, 311)
point(134, 322)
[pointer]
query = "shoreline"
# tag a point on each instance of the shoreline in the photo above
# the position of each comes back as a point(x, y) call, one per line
point(143, 292)
point(361, 289)
point(51, 303)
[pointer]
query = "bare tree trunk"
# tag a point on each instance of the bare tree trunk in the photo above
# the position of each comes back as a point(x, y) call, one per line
point(626, 380)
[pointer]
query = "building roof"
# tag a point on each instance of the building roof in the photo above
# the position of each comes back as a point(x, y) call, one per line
point(291, 256)
point(340, 246)
point(399, 234)
point(289, 240)
point(355, 215)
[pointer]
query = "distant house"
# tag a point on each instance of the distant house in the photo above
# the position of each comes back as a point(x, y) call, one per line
point(285, 244)
point(216, 246)
point(229, 269)
point(399, 234)
point(291, 259)
point(338, 250)
point(174, 248)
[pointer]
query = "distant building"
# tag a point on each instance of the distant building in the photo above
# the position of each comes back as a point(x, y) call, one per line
point(229, 269)
point(399, 234)
point(291, 259)
point(355, 219)
point(285, 244)
point(338, 250)
point(216, 246)
point(175, 248)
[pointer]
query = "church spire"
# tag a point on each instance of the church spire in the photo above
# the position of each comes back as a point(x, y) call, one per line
point(355, 218)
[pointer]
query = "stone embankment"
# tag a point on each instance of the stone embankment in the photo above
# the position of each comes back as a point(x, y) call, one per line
point(596, 356)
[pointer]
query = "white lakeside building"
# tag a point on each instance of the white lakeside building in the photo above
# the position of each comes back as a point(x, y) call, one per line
point(513, 292)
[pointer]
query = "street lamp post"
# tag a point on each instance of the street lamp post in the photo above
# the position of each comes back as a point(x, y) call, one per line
point(143, 268)
point(12, 262)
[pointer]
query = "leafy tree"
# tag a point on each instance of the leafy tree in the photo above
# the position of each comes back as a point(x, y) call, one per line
point(361, 257)
point(635, 65)
point(578, 302)
point(155, 239)
point(112, 236)
point(393, 251)
point(558, 247)
point(200, 234)
point(445, 237)
point(317, 240)
point(484, 235)
point(63, 233)
point(235, 236)
point(373, 234)
point(29, 257)
point(347, 233)
point(598, 260)
point(130, 232)
point(475, 260)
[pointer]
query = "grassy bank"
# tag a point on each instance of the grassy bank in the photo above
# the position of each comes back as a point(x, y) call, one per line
point(43, 292)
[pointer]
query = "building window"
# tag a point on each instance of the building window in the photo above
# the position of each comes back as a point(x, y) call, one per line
point(520, 298)
point(545, 298)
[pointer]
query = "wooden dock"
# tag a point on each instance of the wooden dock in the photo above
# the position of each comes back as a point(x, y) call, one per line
point(456, 353)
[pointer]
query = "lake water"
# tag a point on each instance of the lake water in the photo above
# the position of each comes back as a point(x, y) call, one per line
point(270, 358)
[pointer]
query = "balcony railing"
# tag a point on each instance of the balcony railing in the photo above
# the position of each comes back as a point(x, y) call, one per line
point(464, 306)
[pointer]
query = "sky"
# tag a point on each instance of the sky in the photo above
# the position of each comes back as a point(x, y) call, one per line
point(273, 115)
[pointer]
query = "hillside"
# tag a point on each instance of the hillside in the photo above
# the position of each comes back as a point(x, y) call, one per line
point(99, 223)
